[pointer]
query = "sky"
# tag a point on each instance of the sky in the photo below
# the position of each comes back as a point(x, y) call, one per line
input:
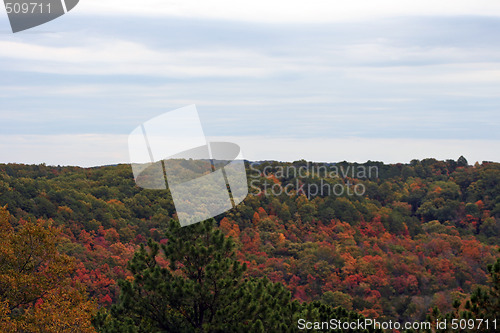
point(387, 80)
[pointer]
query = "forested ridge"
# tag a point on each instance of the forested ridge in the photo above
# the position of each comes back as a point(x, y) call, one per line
point(416, 244)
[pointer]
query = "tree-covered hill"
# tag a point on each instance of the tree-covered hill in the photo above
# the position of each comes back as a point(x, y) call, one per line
point(387, 241)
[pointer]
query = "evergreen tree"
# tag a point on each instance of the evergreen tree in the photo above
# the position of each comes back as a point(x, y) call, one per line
point(193, 283)
point(462, 162)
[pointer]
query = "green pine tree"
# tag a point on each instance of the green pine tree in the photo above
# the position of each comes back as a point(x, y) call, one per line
point(203, 290)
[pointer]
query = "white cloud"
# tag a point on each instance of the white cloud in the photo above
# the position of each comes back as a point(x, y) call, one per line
point(82, 150)
point(93, 149)
point(432, 74)
point(397, 80)
point(104, 57)
point(362, 149)
point(376, 61)
point(314, 11)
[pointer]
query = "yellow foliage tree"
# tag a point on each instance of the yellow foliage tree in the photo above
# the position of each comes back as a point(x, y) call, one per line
point(37, 293)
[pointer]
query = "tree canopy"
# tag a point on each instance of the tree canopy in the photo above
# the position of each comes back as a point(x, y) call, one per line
point(193, 283)
point(37, 293)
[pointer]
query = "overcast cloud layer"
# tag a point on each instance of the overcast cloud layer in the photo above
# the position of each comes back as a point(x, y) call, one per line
point(385, 80)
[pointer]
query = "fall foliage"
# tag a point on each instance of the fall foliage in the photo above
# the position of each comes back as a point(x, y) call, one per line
point(37, 293)
point(419, 239)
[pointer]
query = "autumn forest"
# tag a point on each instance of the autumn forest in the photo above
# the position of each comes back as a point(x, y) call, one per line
point(86, 250)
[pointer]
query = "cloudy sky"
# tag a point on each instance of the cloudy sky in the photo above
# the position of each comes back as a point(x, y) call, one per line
point(387, 80)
